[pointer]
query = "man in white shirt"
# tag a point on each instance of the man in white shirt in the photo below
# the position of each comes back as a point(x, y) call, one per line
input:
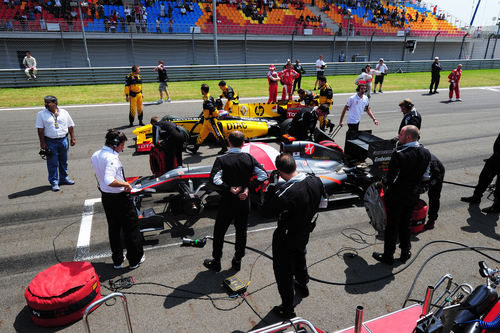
point(53, 125)
point(382, 68)
point(30, 63)
point(320, 70)
point(118, 206)
point(356, 104)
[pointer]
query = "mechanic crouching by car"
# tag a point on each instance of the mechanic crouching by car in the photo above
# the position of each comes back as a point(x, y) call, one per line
point(121, 213)
point(304, 121)
point(297, 202)
point(307, 96)
point(229, 94)
point(209, 124)
point(407, 167)
point(53, 125)
point(231, 173)
point(168, 138)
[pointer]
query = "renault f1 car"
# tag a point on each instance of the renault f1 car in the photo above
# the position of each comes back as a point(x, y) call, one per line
point(258, 121)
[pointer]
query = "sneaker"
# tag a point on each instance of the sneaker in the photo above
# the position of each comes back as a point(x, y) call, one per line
point(34, 76)
point(458, 99)
point(405, 256)
point(436, 92)
point(472, 200)
point(159, 101)
point(120, 266)
point(67, 181)
point(430, 225)
point(29, 79)
point(141, 123)
point(383, 258)
point(374, 92)
point(236, 264)
point(301, 288)
point(450, 100)
point(491, 210)
point(55, 187)
point(283, 312)
point(169, 100)
point(130, 125)
point(212, 265)
point(380, 91)
point(140, 262)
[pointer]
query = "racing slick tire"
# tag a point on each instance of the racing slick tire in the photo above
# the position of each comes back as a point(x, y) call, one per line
point(285, 126)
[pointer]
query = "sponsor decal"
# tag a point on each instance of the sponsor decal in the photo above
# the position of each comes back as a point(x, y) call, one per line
point(259, 110)
point(309, 150)
point(236, 126)
point(243, 109)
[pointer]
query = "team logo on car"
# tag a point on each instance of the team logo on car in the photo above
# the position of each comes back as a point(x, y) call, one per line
point(259, 110)
point(309, 150)
point(236, 126)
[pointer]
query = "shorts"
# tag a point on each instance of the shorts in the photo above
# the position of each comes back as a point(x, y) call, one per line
point(320, 74)
point(163, 86)
point(379, 79)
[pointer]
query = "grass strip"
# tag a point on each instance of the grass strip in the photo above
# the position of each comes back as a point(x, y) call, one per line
point(113, 93)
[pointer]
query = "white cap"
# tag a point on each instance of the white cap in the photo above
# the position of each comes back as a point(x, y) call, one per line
point(381, 59)
point(436, 58)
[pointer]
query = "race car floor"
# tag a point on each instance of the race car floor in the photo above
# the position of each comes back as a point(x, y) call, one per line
point(173, 291)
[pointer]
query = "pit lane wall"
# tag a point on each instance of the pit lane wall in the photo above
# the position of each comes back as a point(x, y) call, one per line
point(15, 78)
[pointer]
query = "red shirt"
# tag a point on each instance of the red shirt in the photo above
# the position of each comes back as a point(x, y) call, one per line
point(455, 75)
point(288, 75)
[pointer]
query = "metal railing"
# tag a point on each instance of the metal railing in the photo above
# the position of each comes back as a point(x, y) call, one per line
point(16, 78)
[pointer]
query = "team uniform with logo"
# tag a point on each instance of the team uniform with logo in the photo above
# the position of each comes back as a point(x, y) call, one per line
point(133, 89)
point(454, 79)
point(287, 77)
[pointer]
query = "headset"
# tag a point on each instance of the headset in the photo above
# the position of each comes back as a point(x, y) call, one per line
point(115, 138)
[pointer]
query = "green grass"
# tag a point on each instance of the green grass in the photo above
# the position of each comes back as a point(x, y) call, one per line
point(113, 93)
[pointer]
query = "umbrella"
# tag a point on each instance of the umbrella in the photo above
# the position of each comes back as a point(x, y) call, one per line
point(263, 153)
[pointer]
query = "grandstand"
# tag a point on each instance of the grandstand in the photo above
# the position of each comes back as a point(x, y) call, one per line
point(235, 17)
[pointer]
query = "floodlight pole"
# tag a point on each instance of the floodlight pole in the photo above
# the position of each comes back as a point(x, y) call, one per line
point(348, 17)
point(83, 34)
point(496, 38)
point(216, 48)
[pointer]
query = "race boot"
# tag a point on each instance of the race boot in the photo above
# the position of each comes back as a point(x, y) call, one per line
point(474, 199)
point(130, 120)
point(140, 120)
point(381, 257)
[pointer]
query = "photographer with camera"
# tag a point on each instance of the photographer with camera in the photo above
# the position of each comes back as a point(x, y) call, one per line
point(53, 125)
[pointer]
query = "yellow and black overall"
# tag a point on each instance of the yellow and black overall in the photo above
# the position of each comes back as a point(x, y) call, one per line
point(232, 97)
point(209, 125)
point(325, 97)
point(133, 90)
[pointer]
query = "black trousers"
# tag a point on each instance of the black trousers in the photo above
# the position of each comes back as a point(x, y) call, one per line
point(434, 194)
point(352, 131)
point(490, 170)
point(434, 82)
point(399, 212)
point(231, 209)
point(289, 262)
point(122, 216)
point(296, 82)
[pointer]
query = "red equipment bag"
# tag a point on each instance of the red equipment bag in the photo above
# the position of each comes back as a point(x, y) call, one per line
point(418, 218)
point(60, 294)
point(157, 161)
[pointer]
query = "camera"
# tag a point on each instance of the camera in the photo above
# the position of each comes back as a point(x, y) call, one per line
point(44, 153)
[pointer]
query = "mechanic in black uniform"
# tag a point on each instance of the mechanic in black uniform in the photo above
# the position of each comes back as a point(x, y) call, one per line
point(437, 171)
point(297, 202)
point(490, 170)
point(170, 138)
point(231, 173)
point(410, 114)
point(307, 96)
point(299, 69)
point(407, 166)
point(436, 76)
point(304, 121)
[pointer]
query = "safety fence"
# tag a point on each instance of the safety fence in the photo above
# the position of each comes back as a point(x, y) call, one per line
point(15, 78)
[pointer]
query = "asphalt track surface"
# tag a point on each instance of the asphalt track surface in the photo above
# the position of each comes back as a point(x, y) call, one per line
point(38, 228)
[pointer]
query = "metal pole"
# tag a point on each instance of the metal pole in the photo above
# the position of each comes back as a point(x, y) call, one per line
point(83, 34)
point(462, 46)
point(132, 45)
point(370, 49)
point(358, 322)
point(487, 45)
point(246, 46)
point(192, 44)
point(496, 38)
point(434, 45)
point(404, 46)
point(347, 39)
point(475, 11)
point(216, 48)
point(333, 48)
point(293, 45)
